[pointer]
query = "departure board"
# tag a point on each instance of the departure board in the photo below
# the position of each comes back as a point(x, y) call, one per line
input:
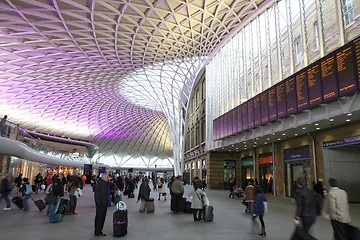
point(244, 117)
point(290, 94)
point(346, 70)
point(357, 59)
point(257, 111)
point(264, 105)
point(329, 79)
point(272, 103)
point(251, 113)
point(239, 118)
point(302, 96)
point(314, 85)
point(280, 100)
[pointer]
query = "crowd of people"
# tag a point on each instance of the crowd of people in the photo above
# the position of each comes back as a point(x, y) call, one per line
point(310, 202)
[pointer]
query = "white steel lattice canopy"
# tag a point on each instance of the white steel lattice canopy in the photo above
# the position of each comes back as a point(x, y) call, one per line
point(110, 72)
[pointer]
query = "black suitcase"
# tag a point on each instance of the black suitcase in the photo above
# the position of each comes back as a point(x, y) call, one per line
point(300, 234)
point(18, 202)
point(188, 207)
point(40, 204)
point(120, 223)
point(182, 205)
point(208, 213)
point(172, 205)
point(64, 207)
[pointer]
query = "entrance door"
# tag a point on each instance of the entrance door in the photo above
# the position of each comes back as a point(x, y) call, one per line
point(265, 174)
point(294, 170)
point(247, 175)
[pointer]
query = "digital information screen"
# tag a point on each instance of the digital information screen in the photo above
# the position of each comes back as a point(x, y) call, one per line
point(346, 70)
point(290, 91)
point(251, 113)
point(329, 80)
point(257, 111)
point(264, 105)
point(280, 100)
point(302, 95)
point(244, 115)
point(357, 59)
point(272, 103)
point(239, 118)
point(314, 85)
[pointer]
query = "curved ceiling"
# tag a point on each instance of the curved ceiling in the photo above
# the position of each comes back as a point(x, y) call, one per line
point(112, 72)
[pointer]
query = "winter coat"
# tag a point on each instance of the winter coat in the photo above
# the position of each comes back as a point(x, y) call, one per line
point(306, 202)
point(161, 189)
point(144, 191)
point(337, 205)
point(197, 195)
point(249, 193)
point(5, 187)
point(259, 203)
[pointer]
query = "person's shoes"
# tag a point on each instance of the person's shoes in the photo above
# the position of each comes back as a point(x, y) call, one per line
point(7, 209)
point(158, 199)
point(100, 234)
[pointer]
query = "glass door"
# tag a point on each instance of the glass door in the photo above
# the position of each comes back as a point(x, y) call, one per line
point(294, 170)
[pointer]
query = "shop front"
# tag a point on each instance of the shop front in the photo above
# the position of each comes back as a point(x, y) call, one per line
point(297, 164)
point(229, 172)
point(247, 171)
point(266, 172)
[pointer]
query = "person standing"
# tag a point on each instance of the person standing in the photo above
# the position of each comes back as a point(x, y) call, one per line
point(307, 205)
point(101, 195)
point(26, 191)
point(144, 193)
point(73, 186)
point(57, 190)
point(161, 188)
point(338, 209)
point(177, 188)
point(4, 129)
point(260, 208)
point(38, 181)
point(5, 189)
point(197, 203)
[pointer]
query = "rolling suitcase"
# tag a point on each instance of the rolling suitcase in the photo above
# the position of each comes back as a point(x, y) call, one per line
point(300, 234)
point(18, 201)
point(208, 213)
point(182, 205)
point(172, 205)
point(120, 223)
point(188, 207)
point(64, 207)
point(40, 204)
point(150, 206)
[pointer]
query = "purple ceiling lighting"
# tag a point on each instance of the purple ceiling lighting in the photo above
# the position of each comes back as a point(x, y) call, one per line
point(111, 72)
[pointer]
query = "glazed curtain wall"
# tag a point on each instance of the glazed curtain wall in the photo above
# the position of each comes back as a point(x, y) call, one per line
point(280, 41)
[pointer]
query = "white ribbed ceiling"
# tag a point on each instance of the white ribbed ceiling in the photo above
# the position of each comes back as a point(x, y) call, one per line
point(110, 72)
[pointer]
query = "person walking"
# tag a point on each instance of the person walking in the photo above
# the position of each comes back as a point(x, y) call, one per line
point(101, 195)
point(5, 189)
point(57, 190)
point(197, 202)
point(26, 191)
point(4, 128)
point(144, 193)
point(177, 188)
point(73, 186)
point(307, 205)
point(337, 207)
point(250, 197)
point(260, 200)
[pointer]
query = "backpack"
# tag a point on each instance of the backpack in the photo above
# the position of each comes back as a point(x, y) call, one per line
point(56, 188)
point(28, 189)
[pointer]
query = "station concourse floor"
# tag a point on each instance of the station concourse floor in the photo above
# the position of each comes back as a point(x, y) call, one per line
point(230, 221)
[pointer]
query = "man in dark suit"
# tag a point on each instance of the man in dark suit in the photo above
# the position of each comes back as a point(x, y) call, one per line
point(102, 195)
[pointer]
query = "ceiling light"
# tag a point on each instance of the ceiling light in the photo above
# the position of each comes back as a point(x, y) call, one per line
point(265, 143)
point(257, 138)
point(316, 124)
point(283, 134)
point(317, 128)
point(296, 134)
point(348, 120)
point(349, 114)
point(331, 119)
point(244, 142)
point(304, 128)
point(232, 145)
point(268, 139)
point(255, 142)
point(279, 139)
point(273, 134)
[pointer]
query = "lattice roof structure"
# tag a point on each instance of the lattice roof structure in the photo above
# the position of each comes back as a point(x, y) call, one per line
point(113, 72)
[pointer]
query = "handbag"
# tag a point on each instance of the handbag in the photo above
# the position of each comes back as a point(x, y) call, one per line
point(265, 207)
point(50, 199)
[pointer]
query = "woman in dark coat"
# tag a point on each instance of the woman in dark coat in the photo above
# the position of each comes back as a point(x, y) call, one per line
point(260, 208)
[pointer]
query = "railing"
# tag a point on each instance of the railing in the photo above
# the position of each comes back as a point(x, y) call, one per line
point(15, 132)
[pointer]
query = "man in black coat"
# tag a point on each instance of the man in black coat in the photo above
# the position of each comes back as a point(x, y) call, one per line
point(102, 195)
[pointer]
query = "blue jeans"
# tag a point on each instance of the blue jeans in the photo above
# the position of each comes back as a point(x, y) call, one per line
point(73, 200)
point(53, 209)
point(25, 203)
point(251, 207)
point(6, 198)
